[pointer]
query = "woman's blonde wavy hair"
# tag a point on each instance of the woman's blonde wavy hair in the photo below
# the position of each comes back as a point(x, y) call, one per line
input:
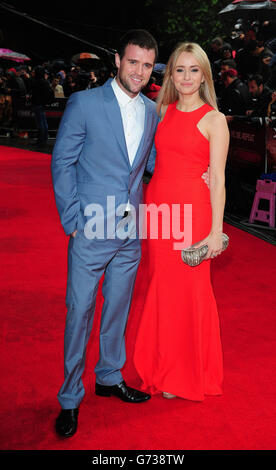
point(168, 93)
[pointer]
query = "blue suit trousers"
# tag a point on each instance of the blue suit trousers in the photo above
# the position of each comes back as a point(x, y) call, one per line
point(88, 260)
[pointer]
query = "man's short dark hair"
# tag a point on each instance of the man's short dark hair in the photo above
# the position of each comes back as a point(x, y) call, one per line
point(232, 73)
point(256, 78)
point(226, 47)
point(138, 37)
point(230, 62)
point(218, 41)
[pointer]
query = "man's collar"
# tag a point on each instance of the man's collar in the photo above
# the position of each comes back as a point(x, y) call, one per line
point(121, 96)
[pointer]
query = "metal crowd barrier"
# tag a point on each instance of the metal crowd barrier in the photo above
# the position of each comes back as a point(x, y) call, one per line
point(252, 149)
point(252, 152)
point(25, 120)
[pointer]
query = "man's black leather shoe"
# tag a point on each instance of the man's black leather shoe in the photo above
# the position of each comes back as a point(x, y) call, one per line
point(67, 422)
point(123, 392)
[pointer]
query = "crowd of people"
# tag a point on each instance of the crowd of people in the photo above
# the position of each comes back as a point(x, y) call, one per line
point(243, 67)
point(244, 71)
point(34, 87)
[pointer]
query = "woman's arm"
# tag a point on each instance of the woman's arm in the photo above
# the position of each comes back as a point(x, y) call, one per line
point(219, 142)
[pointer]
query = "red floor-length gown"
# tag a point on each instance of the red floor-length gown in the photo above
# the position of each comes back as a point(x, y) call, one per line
point(178, 347)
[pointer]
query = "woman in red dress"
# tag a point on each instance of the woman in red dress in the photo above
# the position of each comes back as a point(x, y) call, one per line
point(178, 348)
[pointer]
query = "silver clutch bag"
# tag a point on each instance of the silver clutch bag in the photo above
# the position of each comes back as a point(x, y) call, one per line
point(193, 256)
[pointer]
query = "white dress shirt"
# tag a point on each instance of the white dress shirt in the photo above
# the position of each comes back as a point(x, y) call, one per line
point(133, 117)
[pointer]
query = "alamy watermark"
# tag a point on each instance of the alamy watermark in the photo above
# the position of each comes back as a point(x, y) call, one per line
point(107, 222)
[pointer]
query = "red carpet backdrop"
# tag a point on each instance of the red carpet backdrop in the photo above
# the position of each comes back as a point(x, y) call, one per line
point(33, 280)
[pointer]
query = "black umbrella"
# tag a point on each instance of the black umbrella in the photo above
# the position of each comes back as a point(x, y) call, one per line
point(251, 9)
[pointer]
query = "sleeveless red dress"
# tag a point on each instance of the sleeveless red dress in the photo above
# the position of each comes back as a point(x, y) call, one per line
point(178, 347)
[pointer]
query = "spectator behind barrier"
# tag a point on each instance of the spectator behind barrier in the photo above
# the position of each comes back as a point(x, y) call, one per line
point(226, 54)
point(225, 65)
point(15, 87)
point(70, 85)
point(260, 96)
point(271, 110)
point(5, 102)
point(262, 105)
point(250, 60)
point(92, 80)
point(271, 83)
point(235, 98)
point(57, 88)
point(214, 49)
point(42, 94)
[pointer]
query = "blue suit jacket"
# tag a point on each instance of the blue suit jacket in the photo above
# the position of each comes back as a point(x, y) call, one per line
point(90, 159)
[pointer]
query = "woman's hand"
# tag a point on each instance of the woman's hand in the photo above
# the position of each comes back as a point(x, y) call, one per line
point(73, 234)
point(214, 242)
point(206, 177)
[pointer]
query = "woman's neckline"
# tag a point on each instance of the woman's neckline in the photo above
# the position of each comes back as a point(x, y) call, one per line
point(192, 111)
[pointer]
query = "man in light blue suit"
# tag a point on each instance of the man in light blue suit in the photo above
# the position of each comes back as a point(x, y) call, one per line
point(103, 146)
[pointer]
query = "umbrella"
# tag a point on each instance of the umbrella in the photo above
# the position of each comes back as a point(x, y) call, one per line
point(14, 56)
point(159, 67)
point(84, 56)
point(253, 8)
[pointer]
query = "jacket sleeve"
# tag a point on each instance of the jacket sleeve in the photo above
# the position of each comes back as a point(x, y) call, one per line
point(151, 160)
point(66, 153)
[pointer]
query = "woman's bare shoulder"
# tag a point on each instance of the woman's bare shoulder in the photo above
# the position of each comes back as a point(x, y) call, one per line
point(215, 116)
point(216, 122)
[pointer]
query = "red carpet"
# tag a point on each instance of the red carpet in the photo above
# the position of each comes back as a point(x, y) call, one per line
point(33, 279)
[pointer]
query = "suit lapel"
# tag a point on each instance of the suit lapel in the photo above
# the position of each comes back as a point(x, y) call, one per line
point(113, 113)
point(145, 135)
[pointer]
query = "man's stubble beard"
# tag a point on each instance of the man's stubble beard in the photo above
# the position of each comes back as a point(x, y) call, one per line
point(127, 86)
